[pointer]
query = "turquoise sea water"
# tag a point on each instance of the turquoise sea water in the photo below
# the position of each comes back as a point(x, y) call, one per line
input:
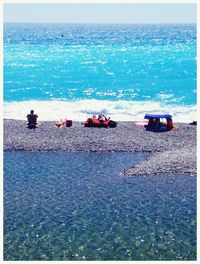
point(121, 70)
point(76, 206)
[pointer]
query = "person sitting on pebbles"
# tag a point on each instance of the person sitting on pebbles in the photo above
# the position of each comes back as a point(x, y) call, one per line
point(32, 119)
point(61, 123)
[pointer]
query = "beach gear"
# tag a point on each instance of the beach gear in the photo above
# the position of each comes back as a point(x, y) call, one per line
point(148, 116)
point(140, 123)
point(97, 123)
point(156, 125)
point(112, 123)
point(68, 123)
point(194, 123)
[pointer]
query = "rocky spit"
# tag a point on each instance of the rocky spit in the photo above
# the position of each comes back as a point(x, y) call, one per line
point(169, 152)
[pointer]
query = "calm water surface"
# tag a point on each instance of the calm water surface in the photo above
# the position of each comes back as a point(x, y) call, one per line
point(76, 206)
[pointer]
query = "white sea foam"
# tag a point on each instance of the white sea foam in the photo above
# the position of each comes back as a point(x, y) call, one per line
point(81, 110)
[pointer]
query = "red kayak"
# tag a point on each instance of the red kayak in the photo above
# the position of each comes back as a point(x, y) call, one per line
point(96, 123)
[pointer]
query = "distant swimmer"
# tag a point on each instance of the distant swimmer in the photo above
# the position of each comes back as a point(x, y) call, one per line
point(62, 36)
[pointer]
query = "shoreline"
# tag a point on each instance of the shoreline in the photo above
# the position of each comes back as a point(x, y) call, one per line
point(80, 109)
point(172, 151)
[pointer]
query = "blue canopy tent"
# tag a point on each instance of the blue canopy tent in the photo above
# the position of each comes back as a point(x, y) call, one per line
point(154, 123)
point(148, 116)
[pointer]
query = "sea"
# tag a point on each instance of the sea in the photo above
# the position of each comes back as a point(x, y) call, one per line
point(78, 206)
point(124, 71)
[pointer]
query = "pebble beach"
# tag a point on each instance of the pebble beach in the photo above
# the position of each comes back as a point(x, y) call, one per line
point(168, 152)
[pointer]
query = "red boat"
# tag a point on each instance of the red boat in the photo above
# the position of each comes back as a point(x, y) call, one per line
point(96, 123)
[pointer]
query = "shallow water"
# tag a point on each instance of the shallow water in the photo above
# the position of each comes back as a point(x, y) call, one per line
point(76, 206)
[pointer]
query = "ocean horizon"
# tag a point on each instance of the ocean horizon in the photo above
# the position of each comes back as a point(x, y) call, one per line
point(123, 70)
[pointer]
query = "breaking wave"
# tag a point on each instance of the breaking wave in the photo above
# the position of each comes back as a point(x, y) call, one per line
point(82, 109)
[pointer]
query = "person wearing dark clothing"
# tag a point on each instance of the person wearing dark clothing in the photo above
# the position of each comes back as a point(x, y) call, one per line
point(102, 118)
point(32, 119)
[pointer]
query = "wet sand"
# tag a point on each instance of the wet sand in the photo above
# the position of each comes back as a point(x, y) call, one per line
point(169, 152)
